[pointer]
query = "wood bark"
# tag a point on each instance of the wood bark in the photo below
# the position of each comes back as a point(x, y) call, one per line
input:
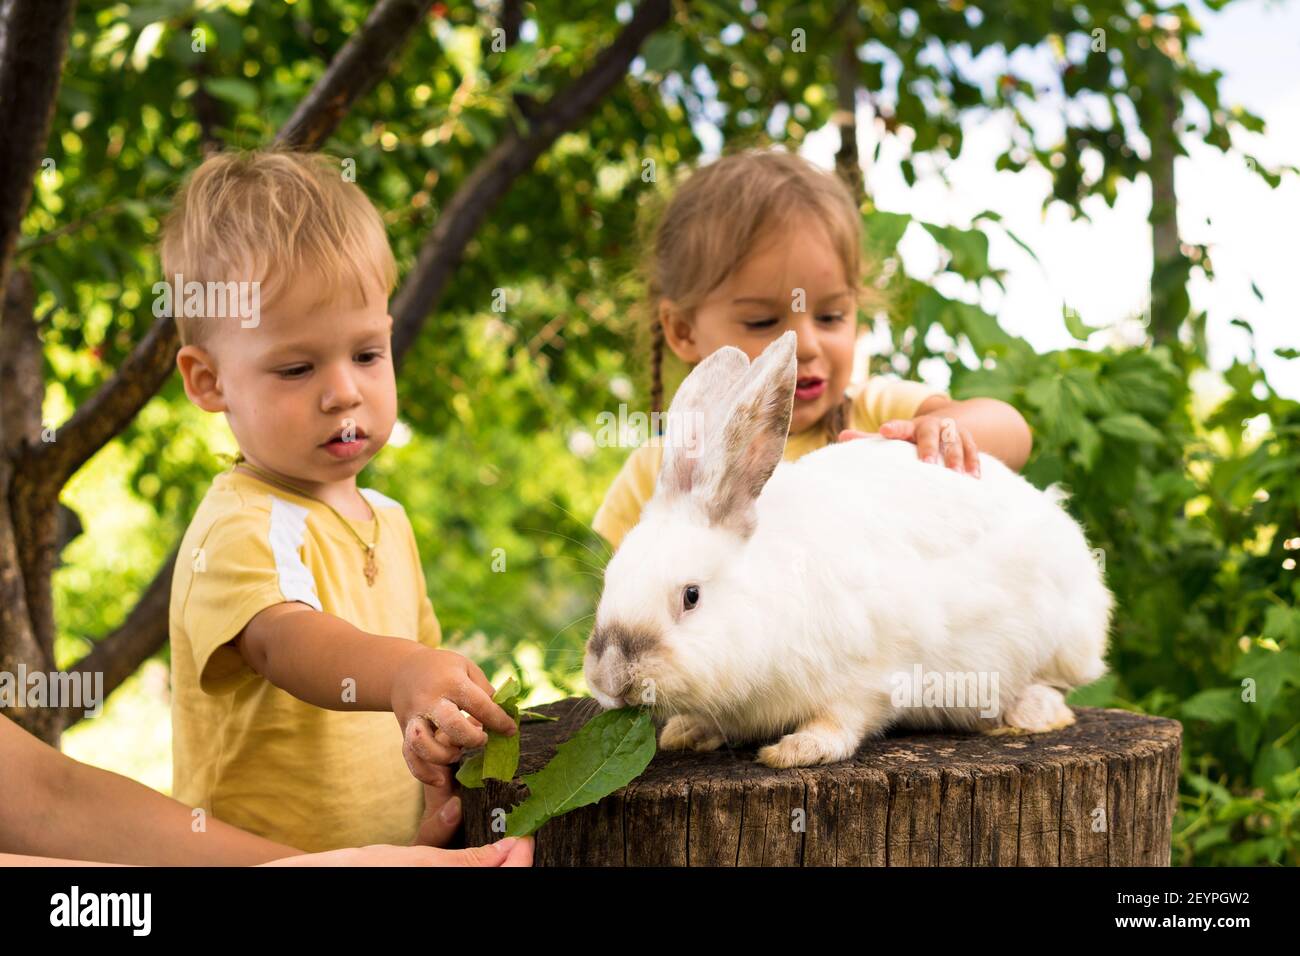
point(1100, 793)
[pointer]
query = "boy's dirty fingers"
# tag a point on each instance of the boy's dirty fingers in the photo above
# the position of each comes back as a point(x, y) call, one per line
point(455, 726)
point(445, 749)
point(481, 705)
point(440, 737)
point(421, 753)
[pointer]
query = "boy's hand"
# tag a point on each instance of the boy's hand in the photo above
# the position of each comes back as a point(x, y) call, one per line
point(442, 811)
point(429, 693)
point(935, 436)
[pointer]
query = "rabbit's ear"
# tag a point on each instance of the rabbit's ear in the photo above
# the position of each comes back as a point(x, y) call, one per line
point(696, 416)
point(753, 439)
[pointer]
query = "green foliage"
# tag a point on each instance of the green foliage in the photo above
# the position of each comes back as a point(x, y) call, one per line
point(500, 474)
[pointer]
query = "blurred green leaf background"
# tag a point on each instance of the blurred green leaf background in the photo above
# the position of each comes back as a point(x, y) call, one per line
point(1183, 477)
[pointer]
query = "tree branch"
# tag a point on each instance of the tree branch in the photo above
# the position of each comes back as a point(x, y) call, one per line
point(21, 387)
point(118, 654)
point(512, 156)
point(48, 465)
point(511, 18)
point(33, 42)
point(360, 62)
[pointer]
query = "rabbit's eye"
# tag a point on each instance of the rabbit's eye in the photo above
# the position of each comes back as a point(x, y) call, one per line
point(690, 596)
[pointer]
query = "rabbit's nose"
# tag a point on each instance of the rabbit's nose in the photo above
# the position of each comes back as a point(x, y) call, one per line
point(611, 653)
point(630, 642)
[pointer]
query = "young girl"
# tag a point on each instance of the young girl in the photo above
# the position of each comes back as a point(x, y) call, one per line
point(761, 242)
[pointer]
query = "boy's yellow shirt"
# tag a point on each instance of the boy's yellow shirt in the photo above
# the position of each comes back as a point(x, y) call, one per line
point(254, 755)
point(877, 400)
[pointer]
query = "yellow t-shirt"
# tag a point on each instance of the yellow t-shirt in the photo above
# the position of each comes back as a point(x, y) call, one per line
point(248, 752)
point(878, 400)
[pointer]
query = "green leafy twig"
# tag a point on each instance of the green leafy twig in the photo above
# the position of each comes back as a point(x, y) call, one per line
point(609, 752)
point(500, 758)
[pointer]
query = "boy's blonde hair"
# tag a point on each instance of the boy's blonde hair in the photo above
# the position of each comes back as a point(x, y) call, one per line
point(711, 225)
point(271, 216)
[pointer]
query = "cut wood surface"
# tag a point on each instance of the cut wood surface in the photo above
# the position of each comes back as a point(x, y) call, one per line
point(1099, 793)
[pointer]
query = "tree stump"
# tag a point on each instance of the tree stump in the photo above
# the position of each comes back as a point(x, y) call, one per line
point(1099, 793)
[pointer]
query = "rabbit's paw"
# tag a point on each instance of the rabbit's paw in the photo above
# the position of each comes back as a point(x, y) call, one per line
point(688, 732)
point(1039, 709)
point(814, 743)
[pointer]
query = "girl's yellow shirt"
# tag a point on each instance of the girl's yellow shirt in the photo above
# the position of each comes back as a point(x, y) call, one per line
point(877, 400)
point(248, 752)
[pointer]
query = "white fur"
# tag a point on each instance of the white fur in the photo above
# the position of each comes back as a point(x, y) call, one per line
point(863, 563)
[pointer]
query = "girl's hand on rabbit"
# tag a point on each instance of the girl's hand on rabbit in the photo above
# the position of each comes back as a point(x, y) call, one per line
point(936, 437)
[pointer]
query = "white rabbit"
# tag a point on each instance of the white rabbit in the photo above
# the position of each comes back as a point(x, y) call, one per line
point(754, 601)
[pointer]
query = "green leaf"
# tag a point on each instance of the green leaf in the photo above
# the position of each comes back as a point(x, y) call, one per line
point(1097, 694)
point(1061, 403)
point(1273, 761)
point(1218, 705)
point(1282, 623)
point(1089, 441)
point(501, 755)
point(1127, 427)
point(981, 328)
point(968, 248)
point(470, 773)
point(662, 52)
point(1270, 670)
point(1248, 730)
point(882, 231)
point(232, 90)
point(608, 753)
point(1203, 784)
point(1212, 836)
point(506, 692)
point(1075, 325)
point(534, 716)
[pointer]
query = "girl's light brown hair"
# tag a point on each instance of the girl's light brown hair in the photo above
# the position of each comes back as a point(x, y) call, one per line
point(274, 216)
point(714, 220)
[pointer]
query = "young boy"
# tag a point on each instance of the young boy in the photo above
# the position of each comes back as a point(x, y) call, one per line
point(299, 618)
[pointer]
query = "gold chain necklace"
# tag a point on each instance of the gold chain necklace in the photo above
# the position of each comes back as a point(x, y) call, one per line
point(371, 567)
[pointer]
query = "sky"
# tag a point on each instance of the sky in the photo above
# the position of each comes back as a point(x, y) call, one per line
point(1101, 268)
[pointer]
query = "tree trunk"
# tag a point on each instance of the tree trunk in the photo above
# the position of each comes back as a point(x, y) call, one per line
point(1100, 793)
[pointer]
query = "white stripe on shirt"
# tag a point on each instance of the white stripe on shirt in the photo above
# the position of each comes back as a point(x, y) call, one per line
point(288, 532)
